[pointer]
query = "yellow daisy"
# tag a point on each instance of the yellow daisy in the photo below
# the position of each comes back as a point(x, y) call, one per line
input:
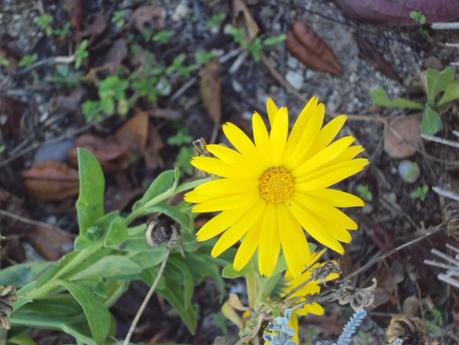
point(274, 187)
point(309, 289)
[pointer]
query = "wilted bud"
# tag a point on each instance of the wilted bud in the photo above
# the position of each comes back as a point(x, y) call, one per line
point(7, 297)
point(410, 330)
point(451, 219)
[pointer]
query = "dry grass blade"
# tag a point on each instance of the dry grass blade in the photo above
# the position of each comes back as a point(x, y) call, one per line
point(449, 263)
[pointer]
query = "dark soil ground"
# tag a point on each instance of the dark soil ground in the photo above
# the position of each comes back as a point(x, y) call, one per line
point(41, 120)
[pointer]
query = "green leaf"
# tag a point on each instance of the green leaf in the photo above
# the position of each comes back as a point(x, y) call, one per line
point(60, 312)
point(229, 272)
point(437, 81)
point(97, 315)
point(117, 232)
point(451, 93)
point(188, 313)
point(186, 278)
point(379, 97)
point(181, 218)
point(90, 203)
point(431, 122)
point(165, 182)
point(110, 267)
point(21, 274)
point(204, 266)
point(149, 258)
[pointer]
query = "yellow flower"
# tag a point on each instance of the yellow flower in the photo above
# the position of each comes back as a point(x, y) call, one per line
point(275, 186)
point(309, 289)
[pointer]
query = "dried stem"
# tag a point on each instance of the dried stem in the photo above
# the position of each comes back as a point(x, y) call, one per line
point(150, 292)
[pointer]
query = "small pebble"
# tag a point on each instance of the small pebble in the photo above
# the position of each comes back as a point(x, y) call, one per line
point(295, 79)
point(409, 171)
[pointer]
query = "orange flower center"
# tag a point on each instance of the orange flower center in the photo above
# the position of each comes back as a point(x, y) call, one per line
point(276, 185)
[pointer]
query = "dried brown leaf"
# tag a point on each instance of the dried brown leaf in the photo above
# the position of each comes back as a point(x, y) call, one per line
point(311, 50)
point(241, 13)
point(153, 16)
point(51, 181)
point(151, 154)
point(394, 12)
point(116, 54)
point(50, 242)
point(96, 27)
point(402, 136)
point(110, 154)
point(369, 53)
point(211, 89)
point(134, 133)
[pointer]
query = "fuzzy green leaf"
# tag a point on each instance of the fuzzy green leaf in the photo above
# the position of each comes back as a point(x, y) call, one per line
point(431, 122)
point(438, 81)
point(379, 97)
point(451, 93)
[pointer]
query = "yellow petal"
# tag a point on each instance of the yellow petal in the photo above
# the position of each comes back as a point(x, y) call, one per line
point(278, 137)
point(271, 109)
point(238, 138)
point(324, 210)
point(219, 223)
point(293, 324)
point(328, 133)
point(324, 156)
point(238, 229)
point(220, 187)
point(212, 166)
point(293, 241)
point(296, 155)
point(337, 198)
point(313, 308)
point(301, 123)
point(342, 171)
point(224, 153)
point(226, 203)
point(248, 246)
point(313, 228)
point(269, 246)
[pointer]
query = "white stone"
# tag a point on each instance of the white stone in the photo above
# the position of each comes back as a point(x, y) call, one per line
point(295, 79)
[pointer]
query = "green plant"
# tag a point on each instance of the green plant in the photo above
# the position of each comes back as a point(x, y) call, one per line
point(419, 192)
point(45, 22)
point(216, 20)
point(81, 53)
point(74, 294)
point(183, 140)
point(119, 18)
point(419, 18)
point(364, 192)
point(162, 36)
point(28, 60)
point(441, 87)
point(254, 47)
point(4, 61)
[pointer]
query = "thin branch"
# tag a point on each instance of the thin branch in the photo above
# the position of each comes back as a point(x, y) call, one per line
point(445, 26)
point(150, 292)
point(24, 219)
point(439, 140)
point(446, 193)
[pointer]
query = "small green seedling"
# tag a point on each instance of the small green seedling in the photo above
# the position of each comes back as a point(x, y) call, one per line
point(44, 22)
point(81, 53)
point(441, 87)
point(420, 18)
point(215, 21)
point(419, 193)
point(119, 18)
point(364, 192)
point(163, 36)
point(28, 60)
point(183, 140)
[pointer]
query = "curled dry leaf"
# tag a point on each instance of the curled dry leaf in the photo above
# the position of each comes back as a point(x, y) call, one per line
point(370, 54)
point(95, 28)
point(50, 242)
point(311, 50)
point(402, 136)
point(116, 54)
point(51, 181)
point(109, 153)
point(395, 12)
point(241, 13)
point(211, 90)
point(153, 16)
point(134, 134)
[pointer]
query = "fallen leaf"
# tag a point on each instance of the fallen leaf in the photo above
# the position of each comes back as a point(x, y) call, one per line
point(134, 133)
point(50, 242)
point(402, 136)
point(369, 53)
point(395, 12)
point(311, 50)
point(51, 181)
point(110, 154)
point(153, 159)
point(95, 28)
point(75, 10)
point(165, 113)
point(242, 13)
point(67, 103)
point(153, 16)
point(211, 89)
point(116, 54)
